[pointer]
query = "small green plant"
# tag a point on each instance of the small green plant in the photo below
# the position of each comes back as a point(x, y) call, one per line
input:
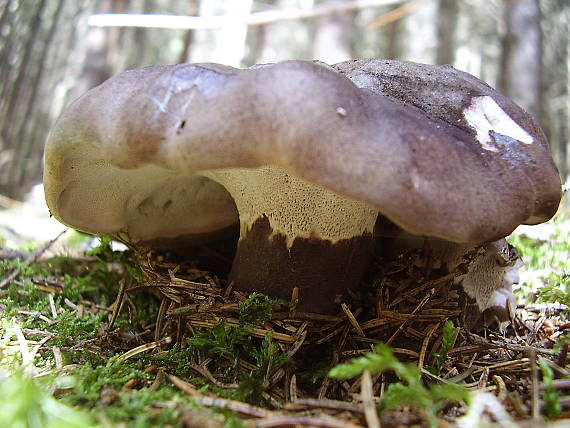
point(557, 289)
point(234, 342)
point(547, 265)
point(256, 309)
point(550, 395)
point(447, 342)
point(412, 391)
point(104, 249)
point(227, 343)
point(268, 358)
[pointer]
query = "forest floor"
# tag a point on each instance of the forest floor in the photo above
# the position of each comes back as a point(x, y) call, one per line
point(132, 338)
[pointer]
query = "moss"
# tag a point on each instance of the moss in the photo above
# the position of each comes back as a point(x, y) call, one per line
point(70, 326)
point(258, 308)
point(447, 343)
point(91, 380)
point(138, 408)
point(178, 361)
point(223, 343)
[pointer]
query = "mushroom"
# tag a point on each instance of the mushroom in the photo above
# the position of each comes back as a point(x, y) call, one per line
point(489, 281)
point(306, 156)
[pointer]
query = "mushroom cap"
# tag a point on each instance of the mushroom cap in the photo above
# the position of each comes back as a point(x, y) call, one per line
point(85, 188)
point(509, 137)
point(435, 150)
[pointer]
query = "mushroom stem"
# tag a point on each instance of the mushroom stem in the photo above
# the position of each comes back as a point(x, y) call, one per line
point(294, 234)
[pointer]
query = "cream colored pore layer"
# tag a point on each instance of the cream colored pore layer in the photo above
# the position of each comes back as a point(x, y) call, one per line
point(294, 207)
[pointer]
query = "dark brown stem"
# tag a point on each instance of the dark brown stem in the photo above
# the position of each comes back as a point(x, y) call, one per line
point(321, 270)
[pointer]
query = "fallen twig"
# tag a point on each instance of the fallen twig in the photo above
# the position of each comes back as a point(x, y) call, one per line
point(30, 259)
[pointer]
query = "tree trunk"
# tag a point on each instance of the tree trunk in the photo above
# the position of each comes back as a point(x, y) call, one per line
point(446, 23)
point(394, 31)
point(419, 35)
point(256, 43)
point(333, 37)
point(521, 62)
point(193, 9)
point(556, 81)
point(96, 68)
point(39, 45)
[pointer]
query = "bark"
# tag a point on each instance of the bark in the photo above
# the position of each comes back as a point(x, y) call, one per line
point(394, 48)
point(8, 21)
point(446, 24)
point(521, 63)
point(189, 36)
point(18, 86)
point(5, 16)
point(39, 44)
point(419, 35)
point(333, 37)
point(556, 81)
point(24, 131)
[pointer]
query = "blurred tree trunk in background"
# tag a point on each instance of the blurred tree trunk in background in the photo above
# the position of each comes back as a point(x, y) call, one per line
point(477, 39)
point(138, 47)
point(193, 9)
point(405, 30)
point(40, 54)
point(278, 41)
point(256, 38)
point(394, 47)
point(556, 82)
point(446, 22)
point(419, 35)
point(521, 61)
point(332, 40)
point(96, 67)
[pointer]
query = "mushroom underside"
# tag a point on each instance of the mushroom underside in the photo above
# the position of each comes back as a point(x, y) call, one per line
point(298, 240)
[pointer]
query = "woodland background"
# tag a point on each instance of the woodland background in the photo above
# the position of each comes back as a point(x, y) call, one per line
point(51, 51)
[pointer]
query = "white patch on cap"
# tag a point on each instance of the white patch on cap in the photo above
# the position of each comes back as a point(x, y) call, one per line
point(484, 115)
